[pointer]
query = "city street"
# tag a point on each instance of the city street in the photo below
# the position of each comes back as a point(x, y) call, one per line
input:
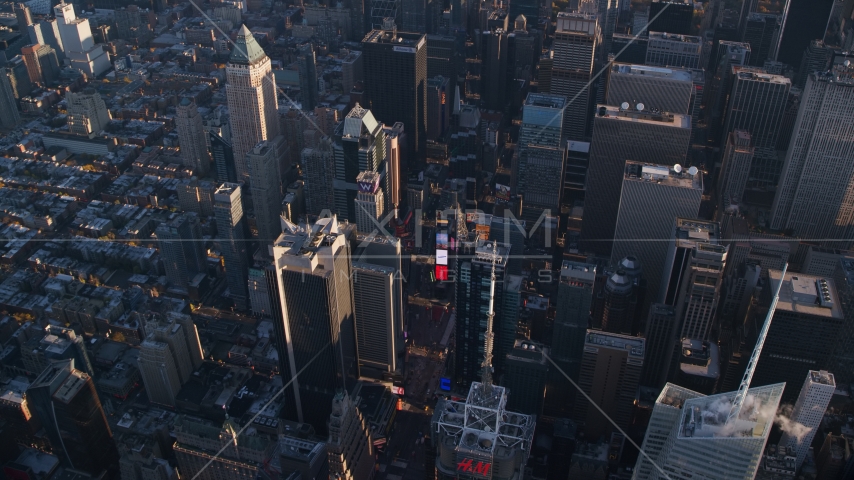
point(405, 454)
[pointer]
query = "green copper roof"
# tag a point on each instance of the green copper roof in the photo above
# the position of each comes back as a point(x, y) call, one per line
point(246, 49)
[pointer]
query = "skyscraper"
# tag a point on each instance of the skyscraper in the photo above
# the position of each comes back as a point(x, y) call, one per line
point(159, 372)
point(191, 135)
point(808, 316)
point(182, 248)
point(576, 45)
point(815, 198)
point(493, 55)
point(689, 435)
point(525, 375)
point(671, 16)
point(77, 42)
point(361, 148)
point(757, 102)
point(87, 112)
point(223, 156)
point(370, 203)
point(667, 89)
point(652, 198)
point(762, 31)
point(198, 444)
point(252, 103)
point(319, 174)
point(309, 281)
point(228, 210)
point(541, 153)
point(168, 356)
point(669, 50)
point(9, 116)
point(474, 271)
point(620, 134)
point(735, 168)
point(659, 331)
point(307, 76)
point(812, 402)
point(395, 66)
point(618, 305)
point(572, 318)
point(376, 305)
point(350, 448)
point(610, 373)
point(265, 185)
point(65, 402)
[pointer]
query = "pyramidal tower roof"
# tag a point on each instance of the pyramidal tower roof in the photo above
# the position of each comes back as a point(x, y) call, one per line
point(246, 49)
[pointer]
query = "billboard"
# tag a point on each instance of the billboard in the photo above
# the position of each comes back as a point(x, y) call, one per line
point(397, 390)
point(445, 384)
point(442, 240)
point(502, 191)
point(441, 257)
point(482, 231)
point(442, 273)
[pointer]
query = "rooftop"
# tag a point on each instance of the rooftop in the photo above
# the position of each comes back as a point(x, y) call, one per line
point(706, 417)
point(807, 294)
point(577, 270)
point(674, 37)
point(823, 377)
point(658, 72)
point(631, 113)
point(246, 49)
point(674, 176)
point(634, 345)
point(545, 100)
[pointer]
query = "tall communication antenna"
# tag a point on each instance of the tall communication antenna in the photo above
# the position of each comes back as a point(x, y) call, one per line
point(486, 366)
point(754, 358)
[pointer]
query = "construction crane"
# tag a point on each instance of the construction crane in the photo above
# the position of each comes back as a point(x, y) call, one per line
point(738, 401)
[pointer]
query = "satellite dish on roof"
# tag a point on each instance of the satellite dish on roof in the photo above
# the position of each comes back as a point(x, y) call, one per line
point(640, 107)
point(625, 105)
point(677, 168)
point(692, 171)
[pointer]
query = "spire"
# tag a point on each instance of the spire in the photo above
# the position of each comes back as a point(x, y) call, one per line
point(246, 49)
point(486, 366)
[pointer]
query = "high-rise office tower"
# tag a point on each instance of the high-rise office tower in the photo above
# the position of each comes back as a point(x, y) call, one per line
point(230, 224)
point(9, 116)
point(46, 32)
point(808, 315)
point(87, 112)
point(814, 199)
point(77, 42)
point(370, 203)
point(728, 54)
point(19, 77)
point(572, 318)
point(529, 8)
point(395, 166)
point(319, 173)
point(652, 197)
point(23, 15)
point(191, 337)
point(669, 50)
point(413, 16)
point(843, 357)
point(265, 185)
point(762, 32)
point(159, 372)
point(575, 49)
point(349, 446)
point(610, 374)
point(526, 372)
point(438, 107)
point(667, 89)
point(223, 157)
point(618, 305)
point(692, 276)
point(812, 402)
point(191, 135)
point(309, 281)
point(689, 435)
point(182, 248)
point(757, 102)
point(816, 57)
point(671, 16)
point(620, 134)
point(608, 11)
point(396, 82)
point(252, 103)
point(493, 56)
point(377, 302)
point(361, 148)
point(735, 168)
point(28, 52)
point(474, 270)
point(65, 402)
point(307, 76)
point(198, 444)
point(541, 153)
point(661, 323)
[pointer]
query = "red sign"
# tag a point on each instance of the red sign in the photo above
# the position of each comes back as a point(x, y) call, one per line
point(442, 273)
point(468, 466)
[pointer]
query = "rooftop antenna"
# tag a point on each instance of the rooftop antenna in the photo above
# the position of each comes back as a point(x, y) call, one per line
point(486, 366)
point(735, 410)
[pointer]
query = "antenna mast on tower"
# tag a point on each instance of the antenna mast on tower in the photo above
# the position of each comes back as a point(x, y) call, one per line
point(738, 401)
point(486, 366)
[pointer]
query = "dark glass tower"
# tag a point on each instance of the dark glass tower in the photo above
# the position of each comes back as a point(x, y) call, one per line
point(395, 66)
point(223, 158)
point(677, 17)
point(66, 404)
